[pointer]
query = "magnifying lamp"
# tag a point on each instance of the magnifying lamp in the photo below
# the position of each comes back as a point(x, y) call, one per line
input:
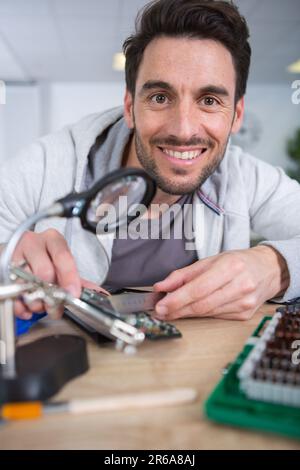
point(91, 208)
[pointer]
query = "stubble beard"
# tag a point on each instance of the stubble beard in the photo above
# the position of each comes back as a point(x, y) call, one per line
point(166, 184)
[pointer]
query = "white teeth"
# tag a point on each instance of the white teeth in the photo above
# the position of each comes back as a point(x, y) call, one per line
point(183, 155)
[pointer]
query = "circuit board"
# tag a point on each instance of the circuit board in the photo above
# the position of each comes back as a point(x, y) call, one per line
point(261, 388)
point(153, 328)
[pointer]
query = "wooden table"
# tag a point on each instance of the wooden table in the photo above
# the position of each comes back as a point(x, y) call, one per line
point(196, 360)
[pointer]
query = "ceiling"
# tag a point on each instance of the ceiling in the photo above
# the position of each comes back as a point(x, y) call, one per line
point(74, 40)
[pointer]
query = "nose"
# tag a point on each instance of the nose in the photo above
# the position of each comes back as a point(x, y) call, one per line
point(184, 123)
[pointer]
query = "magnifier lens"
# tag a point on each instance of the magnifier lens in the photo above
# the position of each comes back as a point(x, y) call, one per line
point(112, 205)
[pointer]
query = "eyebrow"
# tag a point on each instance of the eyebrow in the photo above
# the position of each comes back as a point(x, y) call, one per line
point(214, 90)
point(154, 84)
point(209, 89)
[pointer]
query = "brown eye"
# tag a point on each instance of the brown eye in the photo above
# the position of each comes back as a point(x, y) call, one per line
point(159, 98)
point(209, 101)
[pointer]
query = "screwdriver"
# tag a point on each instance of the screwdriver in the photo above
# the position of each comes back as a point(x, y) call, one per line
point(35, 410)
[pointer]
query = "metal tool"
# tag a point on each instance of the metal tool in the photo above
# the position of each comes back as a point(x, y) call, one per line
point(91, 208)
point(125, 302)
point(54, 297)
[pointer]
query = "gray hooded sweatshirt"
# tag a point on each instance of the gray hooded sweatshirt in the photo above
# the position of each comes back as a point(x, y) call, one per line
point(243, 194)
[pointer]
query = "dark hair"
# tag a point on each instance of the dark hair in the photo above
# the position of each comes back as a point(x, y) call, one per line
point(204, 19)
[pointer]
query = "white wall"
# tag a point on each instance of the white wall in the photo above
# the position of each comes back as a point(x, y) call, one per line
point(277, 118)
point(20, 119)
point(2, 133)
point(69, 102)
point(32, 111)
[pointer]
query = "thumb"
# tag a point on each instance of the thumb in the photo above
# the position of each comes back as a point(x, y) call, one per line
point(181, 276)
point(91, 285)
point(170, 283)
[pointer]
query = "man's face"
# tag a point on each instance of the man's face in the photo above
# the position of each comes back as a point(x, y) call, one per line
point(183, 111)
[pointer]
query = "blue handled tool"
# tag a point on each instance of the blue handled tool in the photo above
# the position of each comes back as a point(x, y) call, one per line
point(23, 326)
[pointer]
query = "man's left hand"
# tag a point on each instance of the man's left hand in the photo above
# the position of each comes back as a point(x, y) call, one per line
point(231, 285)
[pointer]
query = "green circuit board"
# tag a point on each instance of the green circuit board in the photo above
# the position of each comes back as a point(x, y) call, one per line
point(153, 328)
point(261, 388)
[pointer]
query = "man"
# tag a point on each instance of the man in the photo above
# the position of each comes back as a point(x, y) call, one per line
point(186, 73)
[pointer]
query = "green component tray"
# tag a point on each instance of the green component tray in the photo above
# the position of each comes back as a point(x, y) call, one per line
point(228, 405)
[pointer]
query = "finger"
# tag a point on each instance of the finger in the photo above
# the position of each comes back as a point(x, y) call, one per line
point(18, 256)
point(54, 313)
point(181, 276)
point(241, 316)
point(230, 312)
point(33, 250)
point(242, 309)
point(20, 307)
point(205, 306)
point(201, 287)
point(37, 306)
point(91, 285)
point(240, 293)
point(64, 264)
point(21, 311)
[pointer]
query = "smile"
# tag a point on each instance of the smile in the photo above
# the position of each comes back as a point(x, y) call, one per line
point(183, 155)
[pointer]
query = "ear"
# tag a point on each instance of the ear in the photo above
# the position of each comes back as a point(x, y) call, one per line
point(128, 110)
point(238, 115)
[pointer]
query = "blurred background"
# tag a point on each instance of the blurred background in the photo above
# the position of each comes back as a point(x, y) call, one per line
point(60, 60)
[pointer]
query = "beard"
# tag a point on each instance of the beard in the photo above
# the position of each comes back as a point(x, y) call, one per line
point(166, 184)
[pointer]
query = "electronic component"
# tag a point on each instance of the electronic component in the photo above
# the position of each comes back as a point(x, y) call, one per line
point(103, 319)
point(127, 301)
point(261, 388)
point(154, 328)
point(269, 372)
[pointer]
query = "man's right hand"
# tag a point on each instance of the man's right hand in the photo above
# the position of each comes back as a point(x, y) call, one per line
point(48, 257)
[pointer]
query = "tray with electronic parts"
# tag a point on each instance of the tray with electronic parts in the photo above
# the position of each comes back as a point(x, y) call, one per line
point(261, 388)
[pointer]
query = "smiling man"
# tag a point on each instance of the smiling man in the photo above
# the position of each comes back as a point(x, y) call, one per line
point(183, 110)
point(186, 73)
